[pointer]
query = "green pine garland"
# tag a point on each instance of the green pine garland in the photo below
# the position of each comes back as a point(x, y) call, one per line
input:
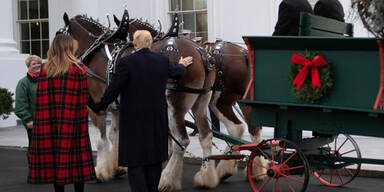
point(6, 102)
point(306, 93)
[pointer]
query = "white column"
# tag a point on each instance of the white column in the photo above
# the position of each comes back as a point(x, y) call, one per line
point(11, 61)
point(7, 43)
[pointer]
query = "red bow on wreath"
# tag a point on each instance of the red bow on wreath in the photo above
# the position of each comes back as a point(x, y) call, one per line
point(317, 61)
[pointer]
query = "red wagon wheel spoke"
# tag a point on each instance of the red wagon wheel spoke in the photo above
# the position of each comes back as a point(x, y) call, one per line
point(292, 178)
point(350, 151)
point(265, 155)
point(272, 152)
point(260, 165)
point(265, 182)
point(293, 168)
point(255, 176)
point(330, 181)
point(289, 158)
point(282, 150)
point(289, 185)
point(348, 171)
point(339, 176)
point(342, 144)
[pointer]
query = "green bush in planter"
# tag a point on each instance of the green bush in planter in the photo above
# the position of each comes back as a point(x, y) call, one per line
point(6, 102)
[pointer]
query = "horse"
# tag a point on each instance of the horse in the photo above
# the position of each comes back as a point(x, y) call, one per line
point(87, 31)
point(192, 92)
point(231, 62)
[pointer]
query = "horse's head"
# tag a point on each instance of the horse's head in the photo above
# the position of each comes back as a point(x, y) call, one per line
point(82, 28)
point(139, 24)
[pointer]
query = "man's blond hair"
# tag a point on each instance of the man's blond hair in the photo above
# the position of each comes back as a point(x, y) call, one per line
point(31, 58)
point(142, 39)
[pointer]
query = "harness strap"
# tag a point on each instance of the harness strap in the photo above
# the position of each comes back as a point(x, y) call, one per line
point(92, 74)
point(178, 88)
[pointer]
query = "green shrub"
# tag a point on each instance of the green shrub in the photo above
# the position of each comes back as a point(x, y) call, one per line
point(6, 102)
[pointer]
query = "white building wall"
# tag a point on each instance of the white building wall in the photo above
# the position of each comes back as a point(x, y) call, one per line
point(227, 19)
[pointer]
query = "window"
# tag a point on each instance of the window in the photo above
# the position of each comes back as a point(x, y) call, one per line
point(34, 28)
point(193, 14)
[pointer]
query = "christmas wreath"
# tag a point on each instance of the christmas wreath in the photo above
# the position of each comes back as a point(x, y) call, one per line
point(310, 77)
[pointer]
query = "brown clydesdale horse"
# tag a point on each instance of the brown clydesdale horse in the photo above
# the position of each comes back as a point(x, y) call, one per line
point(192, 92)
point(86, 31)
point(231, 62)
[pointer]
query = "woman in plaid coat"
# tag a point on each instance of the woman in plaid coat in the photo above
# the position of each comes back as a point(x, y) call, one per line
point(60, 151)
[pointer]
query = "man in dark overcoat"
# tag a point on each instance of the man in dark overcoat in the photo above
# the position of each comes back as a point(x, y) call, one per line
point(289, 17)
point(141, 80)
point(329, 8)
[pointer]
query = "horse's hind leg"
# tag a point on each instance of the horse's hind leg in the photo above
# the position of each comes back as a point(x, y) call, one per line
point(104, 171)
point(178, 106)
point(207, 176)
point(221, 105)
point(256, 137)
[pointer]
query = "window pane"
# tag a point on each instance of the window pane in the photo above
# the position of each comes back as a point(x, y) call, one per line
point(189, 21)
point(25, 47)
point(45, 30)
point(45, 48)
point(33, 9)
point(187, 4)
point(200, 4)
point(36, 49)
point(203, 35)
point(175, 5)
point(35, 30)
point(23, 9)
point(24, 29)
point(201, 22)
point(43, 8)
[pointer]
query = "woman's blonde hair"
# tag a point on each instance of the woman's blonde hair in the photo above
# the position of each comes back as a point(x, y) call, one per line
point(142, 39)
point(31, 58)
point(61, 55)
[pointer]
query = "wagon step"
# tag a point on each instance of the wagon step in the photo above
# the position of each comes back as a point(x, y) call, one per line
point(225, 157)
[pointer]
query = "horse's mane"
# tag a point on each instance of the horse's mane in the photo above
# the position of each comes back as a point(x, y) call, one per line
point(146, 24)
point(92, 21)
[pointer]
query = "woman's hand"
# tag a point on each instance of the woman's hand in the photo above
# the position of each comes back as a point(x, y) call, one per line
point(30, 125)
point(186, 61)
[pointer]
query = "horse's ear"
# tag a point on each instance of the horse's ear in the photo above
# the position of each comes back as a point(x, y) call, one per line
point(117, 21)
point(66, 19)
point(174, 29)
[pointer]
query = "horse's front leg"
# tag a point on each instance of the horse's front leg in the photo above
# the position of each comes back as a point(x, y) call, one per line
point(207, 176)
point(178, 105)
point(104, 171)
point(114, 138)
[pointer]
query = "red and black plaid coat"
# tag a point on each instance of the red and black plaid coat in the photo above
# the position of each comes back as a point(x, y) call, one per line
point(60, 150)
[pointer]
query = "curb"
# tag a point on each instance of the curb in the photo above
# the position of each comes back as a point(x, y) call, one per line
point(241, 164)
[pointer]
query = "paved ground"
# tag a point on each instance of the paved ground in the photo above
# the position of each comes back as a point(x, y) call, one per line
point(370, 147)
point(13, 173)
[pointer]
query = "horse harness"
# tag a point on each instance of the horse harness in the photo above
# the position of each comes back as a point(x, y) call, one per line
point(217, 52)
point(170, 48)
point(117, 39)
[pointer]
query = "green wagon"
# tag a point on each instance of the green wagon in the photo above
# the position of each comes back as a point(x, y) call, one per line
point(352, 104)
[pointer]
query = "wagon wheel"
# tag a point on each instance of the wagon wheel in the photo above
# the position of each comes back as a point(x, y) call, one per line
point(287, 167)
point(340, 175)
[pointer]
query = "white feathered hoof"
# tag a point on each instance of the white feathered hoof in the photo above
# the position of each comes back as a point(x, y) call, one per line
point(207, 177)
point(120, 171)
point(257, 170)
point(103, 175)
point(167, 183)
point(225, 169)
